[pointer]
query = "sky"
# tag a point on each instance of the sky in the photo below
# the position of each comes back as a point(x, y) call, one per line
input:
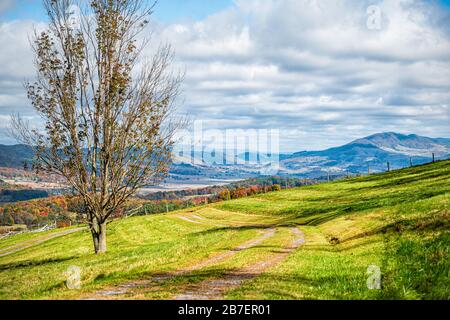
point(166, 10)
point(322, 72)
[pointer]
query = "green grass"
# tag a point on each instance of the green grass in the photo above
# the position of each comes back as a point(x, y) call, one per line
point(234, 263)
point(24, 237)
point(138, 247)
point(318, 271)
point(399, 221)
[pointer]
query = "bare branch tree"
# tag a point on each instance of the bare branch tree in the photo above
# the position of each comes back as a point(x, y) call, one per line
point(109, 117)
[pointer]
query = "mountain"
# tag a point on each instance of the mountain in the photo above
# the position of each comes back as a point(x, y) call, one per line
point(15, 156)
point(411, 145)
point(369, 153)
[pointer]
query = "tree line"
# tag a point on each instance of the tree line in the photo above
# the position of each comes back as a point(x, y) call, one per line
point(69, 210)
point(261, 182)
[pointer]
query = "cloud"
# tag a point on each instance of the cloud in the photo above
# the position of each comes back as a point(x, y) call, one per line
point(314, 66)
point(5, 5)
point(17, 66)
point(311, 68)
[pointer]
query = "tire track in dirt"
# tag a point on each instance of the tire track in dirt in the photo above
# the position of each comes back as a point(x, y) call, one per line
point(215, 289)
point(126, 288)
point(198, 220)
point(269, 233)
point(188, 220)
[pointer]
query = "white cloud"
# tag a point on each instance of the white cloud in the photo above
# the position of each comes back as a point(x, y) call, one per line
point(291, 54)
point(311, 68)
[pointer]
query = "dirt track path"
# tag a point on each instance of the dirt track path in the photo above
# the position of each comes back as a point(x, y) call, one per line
point(212, 289)
point(216, 288)
point(126, 289)
point(195, 219)
point(36, 241)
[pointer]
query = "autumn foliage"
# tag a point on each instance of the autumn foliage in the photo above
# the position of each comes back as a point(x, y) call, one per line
point(37, 212)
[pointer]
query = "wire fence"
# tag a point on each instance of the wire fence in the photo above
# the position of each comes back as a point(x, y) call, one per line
point(47, 227)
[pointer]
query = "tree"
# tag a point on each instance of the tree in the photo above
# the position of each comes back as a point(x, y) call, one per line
point(225, 195)
point(109, 116)
point(7, 219)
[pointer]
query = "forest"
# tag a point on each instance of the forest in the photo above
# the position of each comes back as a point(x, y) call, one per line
point(67, 210)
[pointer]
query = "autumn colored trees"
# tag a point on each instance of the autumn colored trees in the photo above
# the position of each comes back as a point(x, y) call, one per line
point(36, 212)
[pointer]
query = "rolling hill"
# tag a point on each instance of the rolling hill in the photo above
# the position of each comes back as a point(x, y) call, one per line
point(369, 153)
point(15, 156)
point(326, 241)
point(358, 157)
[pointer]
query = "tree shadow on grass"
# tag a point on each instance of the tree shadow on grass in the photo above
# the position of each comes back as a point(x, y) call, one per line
point(234, 228)
point(426, 224)
point(234, 279)
point(326, 213)
point(309, 288)
point(33, 263)
point(438, 177)
point(168, 286)
point(283, 222)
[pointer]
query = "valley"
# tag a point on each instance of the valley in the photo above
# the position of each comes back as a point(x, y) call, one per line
point(369, 154)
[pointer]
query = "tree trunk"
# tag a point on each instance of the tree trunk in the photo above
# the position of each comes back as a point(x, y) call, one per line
point(99, 237)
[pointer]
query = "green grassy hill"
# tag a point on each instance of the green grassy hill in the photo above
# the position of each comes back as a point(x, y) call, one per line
point(398, 221)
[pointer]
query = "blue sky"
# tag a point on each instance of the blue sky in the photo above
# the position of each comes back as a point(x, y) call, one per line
point(167, 10)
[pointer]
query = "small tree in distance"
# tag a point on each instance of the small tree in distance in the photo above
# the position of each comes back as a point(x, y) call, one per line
point(276, 187)
point(109, 124)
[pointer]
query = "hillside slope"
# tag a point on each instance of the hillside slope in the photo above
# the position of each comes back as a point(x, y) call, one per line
point(15, 156)
point(370, 152)
point(398, 222)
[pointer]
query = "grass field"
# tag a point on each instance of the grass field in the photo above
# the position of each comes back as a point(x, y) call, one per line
point(398, 221)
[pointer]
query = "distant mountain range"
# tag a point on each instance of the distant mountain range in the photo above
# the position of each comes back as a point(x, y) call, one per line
point(15, 156)
point(369, 153)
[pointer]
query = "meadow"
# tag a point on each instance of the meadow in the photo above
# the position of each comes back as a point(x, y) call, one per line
point(312, 242)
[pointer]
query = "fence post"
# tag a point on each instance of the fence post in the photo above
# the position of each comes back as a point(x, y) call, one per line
point(434, 158)
point(389, 166)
